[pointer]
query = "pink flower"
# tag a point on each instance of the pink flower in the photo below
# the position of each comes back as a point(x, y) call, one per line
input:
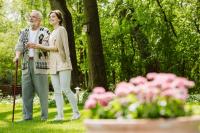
point(176, 93)
point(166, 85)
point(94, 96)
point(103, 102)
point(182, 82)
point(151, 76)
point(167, 77)
point(154, 83)
point(138, 80)
point(160, 80)
point(90, 104)
point(123, 89)
point(147, 94)
point(146, 90)
point(135, 90)
point(190, 84)
point(105, 98)
point(109, 96)
point(98, 90)
point(102, 98)
point(181, 94)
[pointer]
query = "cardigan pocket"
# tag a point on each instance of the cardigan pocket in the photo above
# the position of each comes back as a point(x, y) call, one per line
point(24, 68)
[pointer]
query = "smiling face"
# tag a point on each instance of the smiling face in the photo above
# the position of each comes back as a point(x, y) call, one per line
point(53, 19)
point(34, 19)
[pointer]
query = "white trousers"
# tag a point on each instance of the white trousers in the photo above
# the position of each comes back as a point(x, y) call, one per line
point(61, 83)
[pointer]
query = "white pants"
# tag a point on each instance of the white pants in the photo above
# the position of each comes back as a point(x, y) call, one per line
point(61, 83)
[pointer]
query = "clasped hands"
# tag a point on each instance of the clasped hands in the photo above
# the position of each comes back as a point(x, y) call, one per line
point(31, 45)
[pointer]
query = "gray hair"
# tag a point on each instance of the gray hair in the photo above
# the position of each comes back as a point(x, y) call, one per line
point(39, 14)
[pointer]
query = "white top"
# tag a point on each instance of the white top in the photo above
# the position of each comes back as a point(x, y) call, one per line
point(32, 38)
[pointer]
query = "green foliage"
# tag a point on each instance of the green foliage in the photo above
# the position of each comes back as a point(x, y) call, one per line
point(84, 97)
point(1, 95)
point(138, 36)
point(194, 98)
point(7, 54)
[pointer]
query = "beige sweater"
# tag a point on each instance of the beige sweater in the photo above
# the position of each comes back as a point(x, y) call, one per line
point(59, 58)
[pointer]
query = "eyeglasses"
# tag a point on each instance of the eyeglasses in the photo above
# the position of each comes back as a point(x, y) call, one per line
point(33, 16)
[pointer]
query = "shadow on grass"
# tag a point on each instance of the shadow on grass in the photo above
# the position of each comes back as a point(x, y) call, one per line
point(5, 115)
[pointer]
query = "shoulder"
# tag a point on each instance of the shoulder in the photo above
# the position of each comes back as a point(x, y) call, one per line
point(44, 29)
point(24, 30)
point(62, 29)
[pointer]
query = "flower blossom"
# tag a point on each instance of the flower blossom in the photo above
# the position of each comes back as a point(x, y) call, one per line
point(181, 82)
point(98, 90)
point(99, 96)
point(138, 80)
point(156, 91)
point(90, 104)
point(123, 89)
point(176, 93)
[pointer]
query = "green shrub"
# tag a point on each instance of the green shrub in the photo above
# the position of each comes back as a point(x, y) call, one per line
point(194, 98)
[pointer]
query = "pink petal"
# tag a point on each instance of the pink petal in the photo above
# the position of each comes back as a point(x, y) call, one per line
point(90, 103)
point(98, 90)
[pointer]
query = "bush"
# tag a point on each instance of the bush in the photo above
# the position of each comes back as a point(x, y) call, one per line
point(194, 98)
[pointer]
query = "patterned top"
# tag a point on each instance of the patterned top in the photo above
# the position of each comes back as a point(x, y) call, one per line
point(40, 57)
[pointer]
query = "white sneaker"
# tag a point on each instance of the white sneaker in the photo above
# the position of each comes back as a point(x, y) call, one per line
point(58, 118)
point(76, 116)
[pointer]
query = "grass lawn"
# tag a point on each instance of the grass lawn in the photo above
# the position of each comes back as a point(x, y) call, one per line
point(50, 126)
point(36, 125)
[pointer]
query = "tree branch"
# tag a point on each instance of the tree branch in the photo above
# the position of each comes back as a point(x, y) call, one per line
point(165, 18)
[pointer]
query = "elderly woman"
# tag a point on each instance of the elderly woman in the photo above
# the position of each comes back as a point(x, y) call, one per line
point(60, 65)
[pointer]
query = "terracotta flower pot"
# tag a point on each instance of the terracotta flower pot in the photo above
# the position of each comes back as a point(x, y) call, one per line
point(177, 125)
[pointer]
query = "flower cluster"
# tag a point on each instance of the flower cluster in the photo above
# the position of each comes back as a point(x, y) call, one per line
point(156, 95)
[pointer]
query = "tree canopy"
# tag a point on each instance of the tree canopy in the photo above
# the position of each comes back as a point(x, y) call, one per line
point(138, 36)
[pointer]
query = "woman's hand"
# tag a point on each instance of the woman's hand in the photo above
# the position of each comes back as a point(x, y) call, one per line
point(32, 45)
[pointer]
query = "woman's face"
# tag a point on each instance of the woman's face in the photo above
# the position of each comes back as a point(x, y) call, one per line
point(53, 19)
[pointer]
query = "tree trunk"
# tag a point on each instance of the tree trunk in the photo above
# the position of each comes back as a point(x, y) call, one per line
point(67, 23)
point(97, 73)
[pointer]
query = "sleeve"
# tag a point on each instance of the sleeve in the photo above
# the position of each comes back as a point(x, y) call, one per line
point(47, 48)
point(45, 42)
point(65, 42)
point(19, 45)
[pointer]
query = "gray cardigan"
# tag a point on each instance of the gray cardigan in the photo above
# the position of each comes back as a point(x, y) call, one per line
point(40, 57)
